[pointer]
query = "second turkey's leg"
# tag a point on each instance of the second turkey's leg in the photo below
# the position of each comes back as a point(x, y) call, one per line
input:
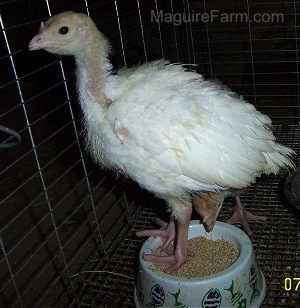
point(242, 216)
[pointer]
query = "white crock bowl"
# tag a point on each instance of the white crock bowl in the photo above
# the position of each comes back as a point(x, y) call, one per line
point(240, 285)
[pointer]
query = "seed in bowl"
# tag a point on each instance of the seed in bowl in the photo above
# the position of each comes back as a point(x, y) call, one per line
point(210, 257)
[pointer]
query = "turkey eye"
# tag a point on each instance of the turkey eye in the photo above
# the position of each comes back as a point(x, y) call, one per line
point(63, 30)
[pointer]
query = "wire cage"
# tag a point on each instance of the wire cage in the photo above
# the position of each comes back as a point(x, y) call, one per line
point(67, 230)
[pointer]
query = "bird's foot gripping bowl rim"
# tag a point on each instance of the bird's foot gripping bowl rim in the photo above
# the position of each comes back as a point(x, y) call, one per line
point(240, 285)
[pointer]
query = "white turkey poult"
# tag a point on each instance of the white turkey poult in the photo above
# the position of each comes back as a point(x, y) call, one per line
point(185, 139)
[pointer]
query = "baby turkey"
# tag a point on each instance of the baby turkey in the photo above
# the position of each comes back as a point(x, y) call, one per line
point(185, 139)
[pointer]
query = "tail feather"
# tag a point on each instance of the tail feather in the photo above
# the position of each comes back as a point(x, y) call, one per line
point(279, 158)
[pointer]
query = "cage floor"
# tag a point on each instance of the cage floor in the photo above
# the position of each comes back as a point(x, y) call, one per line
point(276, 243)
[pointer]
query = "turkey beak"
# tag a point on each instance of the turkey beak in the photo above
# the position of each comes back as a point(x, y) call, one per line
point(37, 42)
point(40, 41)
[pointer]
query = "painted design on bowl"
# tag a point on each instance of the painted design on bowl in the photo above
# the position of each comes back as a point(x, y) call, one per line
point(157, 295)
point(253, 283)
point(212, 299)
point(237, 298)
point(177, 303)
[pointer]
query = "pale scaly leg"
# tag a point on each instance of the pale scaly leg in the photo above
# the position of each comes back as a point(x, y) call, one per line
point(242, 216)
point(180, 254)
point(166, 233)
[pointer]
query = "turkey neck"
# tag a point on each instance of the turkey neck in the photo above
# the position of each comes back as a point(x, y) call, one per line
point(93, 67)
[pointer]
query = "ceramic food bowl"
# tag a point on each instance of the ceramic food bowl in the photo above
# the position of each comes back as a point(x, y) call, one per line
point(242, 284)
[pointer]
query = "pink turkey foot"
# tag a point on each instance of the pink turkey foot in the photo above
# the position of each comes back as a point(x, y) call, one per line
point(242, 216)
point(167, 235)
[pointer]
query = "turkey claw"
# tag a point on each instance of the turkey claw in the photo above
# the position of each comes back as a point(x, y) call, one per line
point(242, 216)
point(166, 233)
point(174, 261)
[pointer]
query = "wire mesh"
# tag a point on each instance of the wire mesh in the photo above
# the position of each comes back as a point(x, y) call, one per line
point(66, 227)
point(258, 59)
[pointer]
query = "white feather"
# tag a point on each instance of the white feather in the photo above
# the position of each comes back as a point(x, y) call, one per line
point(185, 133)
